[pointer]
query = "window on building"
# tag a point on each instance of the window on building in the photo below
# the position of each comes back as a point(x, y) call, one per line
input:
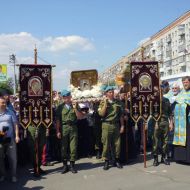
point(181, 59)
point(161, 74)
point(183, 68)
point(169, 72)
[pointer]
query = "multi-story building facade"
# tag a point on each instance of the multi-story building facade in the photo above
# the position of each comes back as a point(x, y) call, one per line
point(170, 47)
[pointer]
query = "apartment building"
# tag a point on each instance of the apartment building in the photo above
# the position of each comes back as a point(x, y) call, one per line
point(170, 47)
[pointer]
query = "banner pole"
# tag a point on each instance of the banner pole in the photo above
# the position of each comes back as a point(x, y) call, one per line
point(144, 122)
point(144, 141)
point(36, 139)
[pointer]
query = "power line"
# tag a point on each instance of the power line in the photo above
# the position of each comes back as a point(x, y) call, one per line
point(44, 60)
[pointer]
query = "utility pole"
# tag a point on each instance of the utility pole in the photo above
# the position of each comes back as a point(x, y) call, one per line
point(12, 59)
point(35, 55)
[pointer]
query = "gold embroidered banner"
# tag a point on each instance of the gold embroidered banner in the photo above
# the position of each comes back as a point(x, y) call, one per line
point(35, 95)
point(145, 91)
point(84, 79)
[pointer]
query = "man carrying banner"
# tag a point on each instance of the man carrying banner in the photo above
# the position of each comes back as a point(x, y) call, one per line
point(182, 120)
point(36, 139)
point(164, 124)
point(112, 116)
point(35, 114)
point(66, 125)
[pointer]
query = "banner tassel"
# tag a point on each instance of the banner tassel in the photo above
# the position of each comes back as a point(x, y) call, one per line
point(47, 132)
point(136, 126)
point(36, 133)
point(25, 133)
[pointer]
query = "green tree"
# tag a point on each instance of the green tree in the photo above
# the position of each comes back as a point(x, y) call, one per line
point(8, 85)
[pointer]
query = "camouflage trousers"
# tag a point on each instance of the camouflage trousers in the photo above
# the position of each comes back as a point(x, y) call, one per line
point(160, 138)
point(110, 140)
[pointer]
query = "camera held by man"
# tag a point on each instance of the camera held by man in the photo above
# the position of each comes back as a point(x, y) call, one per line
point(3, 137)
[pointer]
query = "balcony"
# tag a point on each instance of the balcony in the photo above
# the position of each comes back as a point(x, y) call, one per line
point(169, 54)
point(181, 48)
point(181, 29)
point(161, 74)
point(181, 32)
point(168, 48)
point(181, 59)
point(168, 64)
point(160, 57)
point(183, 68)
point(160, 52)
point(160, 43)
point(169, 72)
point(168, 39)
point(182, 64)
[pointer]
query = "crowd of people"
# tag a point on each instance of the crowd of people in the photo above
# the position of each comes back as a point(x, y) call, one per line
point(103, 129)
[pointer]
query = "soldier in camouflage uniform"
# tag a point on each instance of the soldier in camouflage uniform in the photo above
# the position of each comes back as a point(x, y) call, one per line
point(112, 116)
point(66, 125)
point(161, 129)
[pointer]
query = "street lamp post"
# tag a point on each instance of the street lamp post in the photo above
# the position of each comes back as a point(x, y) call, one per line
point(12, 59)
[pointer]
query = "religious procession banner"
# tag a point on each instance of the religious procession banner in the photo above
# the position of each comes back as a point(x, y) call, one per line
point(3, 72)
point(35, 95)
point(145, 91)
point(84, 79)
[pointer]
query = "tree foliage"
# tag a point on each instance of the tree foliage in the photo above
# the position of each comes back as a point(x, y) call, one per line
point(8, 85)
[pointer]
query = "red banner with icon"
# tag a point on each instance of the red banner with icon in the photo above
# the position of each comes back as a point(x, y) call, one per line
point(145, 91)
point(35, 95)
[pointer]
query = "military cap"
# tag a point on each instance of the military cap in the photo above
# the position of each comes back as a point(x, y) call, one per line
point(108, 88)
point(103, 87)
point(65, 93)
point(164, 84)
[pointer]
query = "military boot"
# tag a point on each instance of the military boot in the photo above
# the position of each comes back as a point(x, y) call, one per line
point(42, 172)
point(117, 164)
point(36, 171)
point(72, 167)
point(155, 163)
point(65, 167)
point(98, 155)
point(106, 165)
point(164, 160)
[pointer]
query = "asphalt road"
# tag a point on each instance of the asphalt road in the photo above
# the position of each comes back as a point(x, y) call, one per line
point(91, 176)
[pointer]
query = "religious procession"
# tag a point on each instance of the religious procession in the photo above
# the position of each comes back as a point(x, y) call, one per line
point(114, 124)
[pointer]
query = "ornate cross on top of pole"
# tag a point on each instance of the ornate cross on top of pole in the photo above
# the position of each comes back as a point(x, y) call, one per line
point(35, 55)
